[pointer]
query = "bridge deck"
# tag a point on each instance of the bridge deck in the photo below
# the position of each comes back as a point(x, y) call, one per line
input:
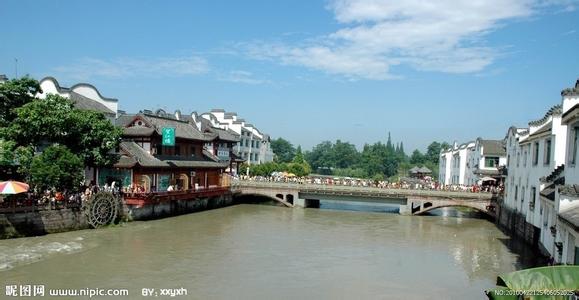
point(370, 192)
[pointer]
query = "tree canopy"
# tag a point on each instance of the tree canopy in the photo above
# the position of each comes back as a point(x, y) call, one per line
point(16, 93)
point(87, 133)
point(283, 149)
point(56, 167)
point(53, 127)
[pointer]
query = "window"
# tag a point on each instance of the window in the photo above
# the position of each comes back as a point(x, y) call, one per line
point(525, 157)
point(491, 162)
point(535, 153)
point(547, 155)
point(518, 158)
point(177, 150)
point(516, 193)
point(533, 197)
point(575, 138)
point(193, 151)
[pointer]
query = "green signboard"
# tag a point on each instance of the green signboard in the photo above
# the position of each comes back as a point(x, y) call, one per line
point(168, 136)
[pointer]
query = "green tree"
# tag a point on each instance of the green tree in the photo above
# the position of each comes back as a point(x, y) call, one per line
point(56, 167)
point(378, 159)
point(344, 155)
point(55, 120)
point(444, 145)
point(321, 156)
point(283, 149)
point(16, 93)
point(433, 152)
point(299, 156)
point(417, 158)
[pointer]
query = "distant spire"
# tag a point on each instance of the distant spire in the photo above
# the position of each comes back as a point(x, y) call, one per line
point(389, 143)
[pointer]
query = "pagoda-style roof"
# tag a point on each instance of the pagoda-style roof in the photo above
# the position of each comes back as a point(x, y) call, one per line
point(133, 154)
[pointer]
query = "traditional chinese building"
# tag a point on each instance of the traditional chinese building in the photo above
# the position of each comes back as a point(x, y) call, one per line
point(151, 163)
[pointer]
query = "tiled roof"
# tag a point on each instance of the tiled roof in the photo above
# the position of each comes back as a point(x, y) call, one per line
point(137, 155)
point(183, 129)
point(85, 103)
point(549, 192)
point(493, 147)
point(569, 189)
point(556, 174)
point(210, 155)
point(124, 120)
point(126, 161)
point(546, 127)
point(571, 216)
point(138, 131)
point(195, 164)
point(140, 155)
point(571, 91)
point(483, 172)
point(215, 132)
point(555, 110)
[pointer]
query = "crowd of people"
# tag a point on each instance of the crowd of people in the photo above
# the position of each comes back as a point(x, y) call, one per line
point(426, 183)
point(55, 199)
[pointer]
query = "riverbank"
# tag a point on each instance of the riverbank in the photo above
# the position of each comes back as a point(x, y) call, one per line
point(37, 222)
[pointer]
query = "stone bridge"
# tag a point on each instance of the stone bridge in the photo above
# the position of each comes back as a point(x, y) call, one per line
point(412, 202)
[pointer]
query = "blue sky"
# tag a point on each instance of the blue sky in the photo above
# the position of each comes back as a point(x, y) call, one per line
point(311, 70)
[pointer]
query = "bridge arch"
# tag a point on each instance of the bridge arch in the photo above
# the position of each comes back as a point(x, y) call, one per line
point(428, 206)
point(266, 196)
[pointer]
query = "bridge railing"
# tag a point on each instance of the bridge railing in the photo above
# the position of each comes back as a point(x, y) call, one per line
point(332, 189)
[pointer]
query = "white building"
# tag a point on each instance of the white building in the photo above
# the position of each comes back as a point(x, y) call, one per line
point(84, 96)
point(539, 152)
point(486, 158)
point(453, 164)
point(566, 183)
point(444, 165)
point(253, 146)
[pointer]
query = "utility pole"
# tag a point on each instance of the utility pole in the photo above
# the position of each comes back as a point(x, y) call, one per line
point(15, 68)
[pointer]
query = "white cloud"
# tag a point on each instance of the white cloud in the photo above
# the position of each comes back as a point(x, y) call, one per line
point(445, 36)
point(87, 68)
point(239, 76)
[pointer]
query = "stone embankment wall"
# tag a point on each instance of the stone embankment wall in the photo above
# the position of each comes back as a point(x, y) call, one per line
point(177, 207)
point(41, 222)
point(515, 225)
point(14, 225)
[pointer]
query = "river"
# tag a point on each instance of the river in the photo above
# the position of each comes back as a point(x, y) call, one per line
point(269, 252)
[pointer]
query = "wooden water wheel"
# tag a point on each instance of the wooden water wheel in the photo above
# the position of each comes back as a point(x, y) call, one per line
point(102, 209)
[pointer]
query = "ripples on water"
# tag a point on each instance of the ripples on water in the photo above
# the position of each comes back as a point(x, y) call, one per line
point(264, 252)
point(29, 252)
